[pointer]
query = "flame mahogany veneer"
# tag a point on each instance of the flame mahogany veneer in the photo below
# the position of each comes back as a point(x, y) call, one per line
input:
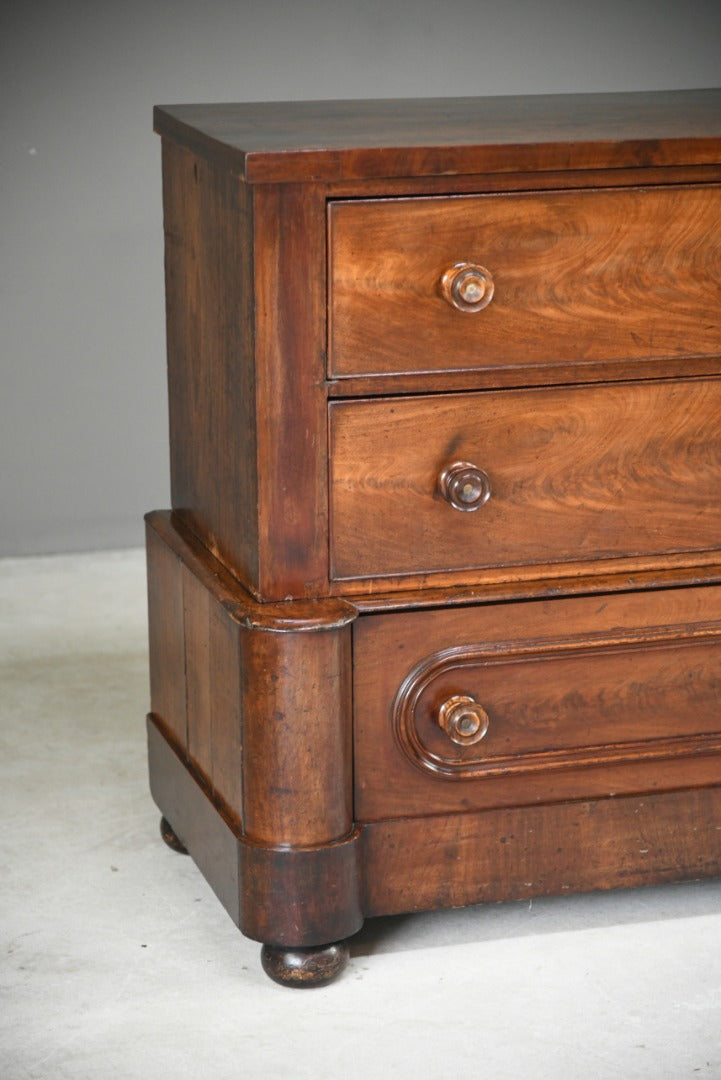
point(435, 618)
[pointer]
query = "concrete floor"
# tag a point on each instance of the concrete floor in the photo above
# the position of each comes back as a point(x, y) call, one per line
point(119, 962)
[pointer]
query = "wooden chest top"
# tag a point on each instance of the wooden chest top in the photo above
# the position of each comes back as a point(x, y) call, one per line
point(342, 140)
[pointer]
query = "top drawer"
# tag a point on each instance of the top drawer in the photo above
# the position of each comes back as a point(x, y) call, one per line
point(493, 282)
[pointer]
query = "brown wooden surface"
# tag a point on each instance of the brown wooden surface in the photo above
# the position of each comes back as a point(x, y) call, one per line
point(314, 140)
point(361, 386)
point(260, 706)
point(194, 817)
point(291, 455)
point(312, 614)
point(590, 584)
point(200, 686)
point(581, 473)
point(292, 616)
point(569, 579)
point(560, 179)
point(209, 299)
point(305, 967)
point(166, 637)
point(213, 691)
point(587, 697)
point(226, 707)
point(301, 896)
point(568, 702)
point(456, 859)
point(580, 277)
point(245, 287)
point(297, 736)
point(285, 896)
point(579, 607)
point(195, 670)
point(432, 862)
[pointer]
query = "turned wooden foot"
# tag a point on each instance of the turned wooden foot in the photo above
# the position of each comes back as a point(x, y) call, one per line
point(168, 834)
point(303, 967)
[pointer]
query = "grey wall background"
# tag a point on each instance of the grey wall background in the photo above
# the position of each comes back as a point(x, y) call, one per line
point(83, 425)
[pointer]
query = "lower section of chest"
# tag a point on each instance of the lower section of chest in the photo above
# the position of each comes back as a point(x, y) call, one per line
point(323, 763)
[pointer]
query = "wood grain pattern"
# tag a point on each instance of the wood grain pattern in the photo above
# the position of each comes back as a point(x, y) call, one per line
point(195, 661)
point(533, 588)
point(166, 637)
point(514, 854)
point(258, 696)
point(549, 374)
point(580, 277)
point(245, 288)
point(285, 616)
point(301, 896)
point(227, 723)
point(374, 688)
point(297, 737)
point(566, 703)
point(566, 684)
point(187, 804)
point(251, 738)
point(209, 301)
point(560, 179)
point(270, 142)
point(582, 473)
point(291, 452)
point(432, 862)
point(288, 896)
point(200, 687)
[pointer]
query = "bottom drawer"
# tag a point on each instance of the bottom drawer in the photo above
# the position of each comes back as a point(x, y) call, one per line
point(541, 701)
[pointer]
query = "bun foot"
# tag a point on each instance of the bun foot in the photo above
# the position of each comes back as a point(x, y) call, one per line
point(303, 967)
point(167, 833)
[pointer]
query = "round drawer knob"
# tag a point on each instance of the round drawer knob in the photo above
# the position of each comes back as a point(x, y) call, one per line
point(463, 720)
point(464, 486)
point(467, 287)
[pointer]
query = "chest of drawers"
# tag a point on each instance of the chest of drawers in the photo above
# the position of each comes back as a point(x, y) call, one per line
point(435, 618)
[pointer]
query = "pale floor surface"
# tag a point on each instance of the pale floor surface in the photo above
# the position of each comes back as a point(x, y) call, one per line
point(119, 962)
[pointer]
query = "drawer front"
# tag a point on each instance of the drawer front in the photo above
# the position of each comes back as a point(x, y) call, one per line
point(556, 475)
point(539, 701)
point(574, 278)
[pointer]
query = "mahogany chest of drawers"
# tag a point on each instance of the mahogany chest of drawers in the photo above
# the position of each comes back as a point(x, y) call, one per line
point(435, 617)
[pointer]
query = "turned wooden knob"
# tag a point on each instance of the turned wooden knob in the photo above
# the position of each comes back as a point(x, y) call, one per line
point(467, 287)
point(463, 720)
point(464, 486)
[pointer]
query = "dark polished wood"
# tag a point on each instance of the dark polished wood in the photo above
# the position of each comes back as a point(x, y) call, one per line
point(290, 317)
point(417, 864)
point(566, 277)
point(331, 140)
point(239, 709)
point(292, 897)
point(208, 220)
point(299, 968)
point(245, 292)
point(435, 617)
point(573, 473)
point(585, 696)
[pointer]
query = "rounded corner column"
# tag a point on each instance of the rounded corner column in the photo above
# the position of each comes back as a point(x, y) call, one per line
point(300, 874)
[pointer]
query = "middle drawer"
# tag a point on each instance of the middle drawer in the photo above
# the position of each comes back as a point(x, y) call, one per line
point(518, 478)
